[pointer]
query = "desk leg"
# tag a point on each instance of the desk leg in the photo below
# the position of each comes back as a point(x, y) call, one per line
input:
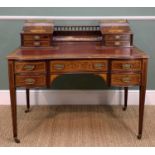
point(142, 98)
point(141, 110)
point(125, 98)
point(27, 100)
point(13, 100)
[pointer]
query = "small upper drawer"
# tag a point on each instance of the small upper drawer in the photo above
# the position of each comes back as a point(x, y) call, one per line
point(31, 43)
point(36, 37)
point(30, 67)
point(124, 65)
point(117, 43)
point(125, 79)
point(117, 37)
point(78, 66)
point(30, 81)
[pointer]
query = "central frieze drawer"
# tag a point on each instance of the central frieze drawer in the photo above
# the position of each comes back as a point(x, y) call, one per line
point(30, 81)
point(131, 65)
point(21, 67)
point(125, 79)
point(78, 66)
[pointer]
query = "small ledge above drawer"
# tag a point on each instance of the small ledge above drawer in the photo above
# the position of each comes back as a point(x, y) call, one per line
point(79, 66)
point(126, 65)
point(23, 67)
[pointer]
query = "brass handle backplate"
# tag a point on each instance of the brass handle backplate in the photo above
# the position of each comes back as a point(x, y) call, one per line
point(98, 65)
point(29, 81)
point(59, 66)
point(29, 67)
point(117, 43)
point(36, 43)
point(36, 37)
point(117, 37)
point(126, 66)
point(126, 79)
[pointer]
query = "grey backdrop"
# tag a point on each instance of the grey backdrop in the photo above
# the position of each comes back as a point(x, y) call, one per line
point(144, 38)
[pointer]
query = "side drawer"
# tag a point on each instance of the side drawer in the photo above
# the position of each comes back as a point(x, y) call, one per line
point(117, 43)
point(30, 81)
point(31, 43)
point(116, 37)
point(126, 65)
point(36, 37)
point(78, 66)
point(125, 79)
point(21, 67)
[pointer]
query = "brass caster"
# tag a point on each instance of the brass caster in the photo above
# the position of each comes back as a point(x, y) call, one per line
point(124, 108)
point(27, 110)
point(16, 140)
point(139, 136)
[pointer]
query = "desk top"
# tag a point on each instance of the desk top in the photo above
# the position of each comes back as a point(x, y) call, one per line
point(77, 50)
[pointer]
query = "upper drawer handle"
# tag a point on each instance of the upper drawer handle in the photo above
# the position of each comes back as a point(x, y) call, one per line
point(126, 79)
point(36, 37)
point(29, 81)
point(59, 66)
point(117, 37)
point(126, 66)
point(29, 67)
point(99, 65)
point(36, 43)
point(117, 43)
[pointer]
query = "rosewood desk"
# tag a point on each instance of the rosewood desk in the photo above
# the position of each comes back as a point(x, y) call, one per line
point(47, 52)
point(37, 68)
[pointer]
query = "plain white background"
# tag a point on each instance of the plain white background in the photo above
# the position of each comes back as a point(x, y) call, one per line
point(77, 3)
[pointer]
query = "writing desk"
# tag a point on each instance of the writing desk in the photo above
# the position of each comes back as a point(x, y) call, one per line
point(38, 67)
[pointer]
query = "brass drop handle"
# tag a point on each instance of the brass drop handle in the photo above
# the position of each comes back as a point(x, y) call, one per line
point(59, 66)
point(117, 37)
point(126, 79)
point(117, 43)
point(29, 67)
point(36, 43)
point(98, 65)
point(36, 37)
point(126, 66)
point(29, 81)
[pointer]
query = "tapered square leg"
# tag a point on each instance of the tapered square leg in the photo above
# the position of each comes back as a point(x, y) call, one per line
point(13, 99)
point(125, 98)
point(142, 97)
point(27, 101)
point(141, 111)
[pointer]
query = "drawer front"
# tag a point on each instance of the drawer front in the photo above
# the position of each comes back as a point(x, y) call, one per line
point(125, 79)
point(30, 81)
point(38, 43)
point(116, 37)
point(36, 37)
point(117, 43)
point(21, 67)
point(131, 65)
point(78, 66)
